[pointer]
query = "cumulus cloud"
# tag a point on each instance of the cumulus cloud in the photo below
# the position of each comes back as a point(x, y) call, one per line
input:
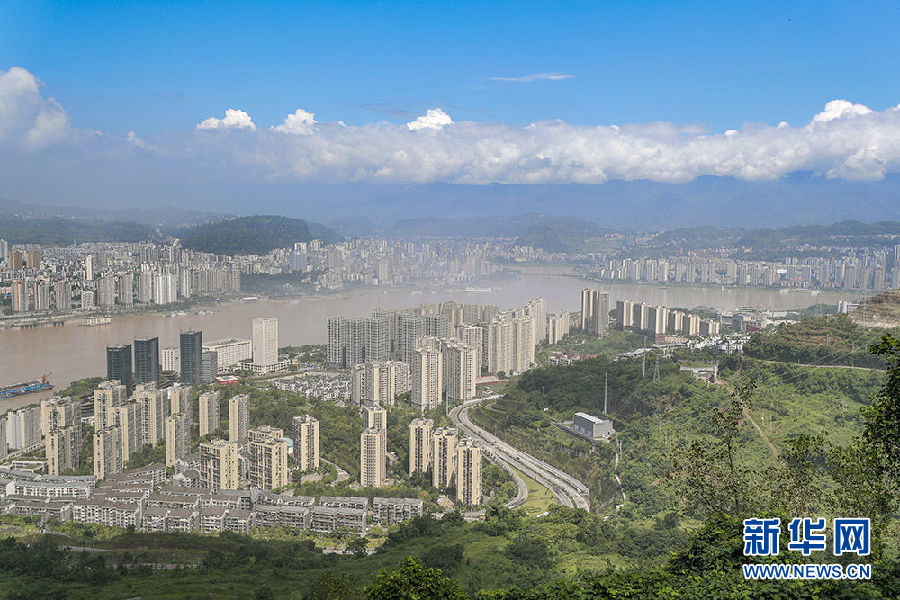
point(234, 119)
point(26, 117)
point(837, 109)
point(555, 76)
point(844, 140)
point(298, 123)
point(434, 118)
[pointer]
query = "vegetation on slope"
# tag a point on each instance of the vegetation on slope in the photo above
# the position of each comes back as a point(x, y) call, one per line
point(62, 231)
point(253, 235)
point(833, 340)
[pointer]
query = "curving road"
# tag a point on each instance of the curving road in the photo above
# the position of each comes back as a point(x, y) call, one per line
point(568, 490)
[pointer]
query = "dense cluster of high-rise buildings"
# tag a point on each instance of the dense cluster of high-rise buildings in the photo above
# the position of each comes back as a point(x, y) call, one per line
point(435, 352)
point(657, 321)
point(113, 276)
point(454, 462)
point(870, 270)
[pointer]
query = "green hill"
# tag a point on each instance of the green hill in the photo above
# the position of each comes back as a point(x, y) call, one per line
point(258, 234)
point(62, 231)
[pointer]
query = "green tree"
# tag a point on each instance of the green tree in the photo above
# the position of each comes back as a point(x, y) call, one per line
point(358, 546)
point(332, 586)
point(412, 581)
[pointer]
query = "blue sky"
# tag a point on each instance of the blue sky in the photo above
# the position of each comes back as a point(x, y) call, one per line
point(120, 66)
point(171, 102)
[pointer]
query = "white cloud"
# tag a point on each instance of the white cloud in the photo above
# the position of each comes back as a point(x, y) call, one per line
point(845, 140)
point(234, 119)
point(838, 109)
point(555, 76)
point(298, 123)
point(26, 117)
point(434, 118)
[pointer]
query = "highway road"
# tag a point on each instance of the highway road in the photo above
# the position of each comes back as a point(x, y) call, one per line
point(568, 490)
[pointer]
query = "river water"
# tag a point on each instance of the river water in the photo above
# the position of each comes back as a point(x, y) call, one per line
point(73, 352)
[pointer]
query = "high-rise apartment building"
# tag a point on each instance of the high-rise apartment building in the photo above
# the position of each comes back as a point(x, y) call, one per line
point(118, 365)
point(473, 336)
point(497, 355)
point(372, 458)
point(374, 417)
point(265, 341)
point(181, 400)
point(459, 370)
point(209, 413)
point(63, 449)
point(420, 432)
point(24, 427)
point(624, 314)
point(410, 329)
point(107, 396)
point(378, 383)
point(537, 310)
point(356, 341)
point(178, 438)
point(106, 291)
point(268, 462)
point(427, 374)
point(191, 348)
point(443, 457)
point(219, 465)
point(521, 344)
point(129, 423)
point(107, 452)
point(151, 402)
point(594, 312)
point(657, 321)
point(468, 473)
point(146, 360)
point(59, 412)
point(306, 443)
point(559, 324)
point(209, 366)
point(238, 418)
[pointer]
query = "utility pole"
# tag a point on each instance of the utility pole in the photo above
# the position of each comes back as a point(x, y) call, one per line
point(656, 370)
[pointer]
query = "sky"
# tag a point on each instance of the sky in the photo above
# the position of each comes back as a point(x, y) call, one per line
point(180, 94)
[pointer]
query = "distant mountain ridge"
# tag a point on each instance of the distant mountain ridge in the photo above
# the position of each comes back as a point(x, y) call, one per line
point(259, 234)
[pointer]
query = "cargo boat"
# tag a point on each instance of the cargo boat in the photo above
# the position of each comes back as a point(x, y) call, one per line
point(20, 389)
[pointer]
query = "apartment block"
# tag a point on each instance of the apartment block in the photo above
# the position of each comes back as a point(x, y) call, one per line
point(372, 457)
point(238, 418)
point(306, 443)
point(209, 413)
point(178, 438)
point(443, 456)
point(219, 465)
point(420, 434)
point(468, 473)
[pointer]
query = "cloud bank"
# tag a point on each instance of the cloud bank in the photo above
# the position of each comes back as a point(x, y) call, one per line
point(845, 140)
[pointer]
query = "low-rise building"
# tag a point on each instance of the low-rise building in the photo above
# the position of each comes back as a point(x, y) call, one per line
point(327, 519)
point(389, 511)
